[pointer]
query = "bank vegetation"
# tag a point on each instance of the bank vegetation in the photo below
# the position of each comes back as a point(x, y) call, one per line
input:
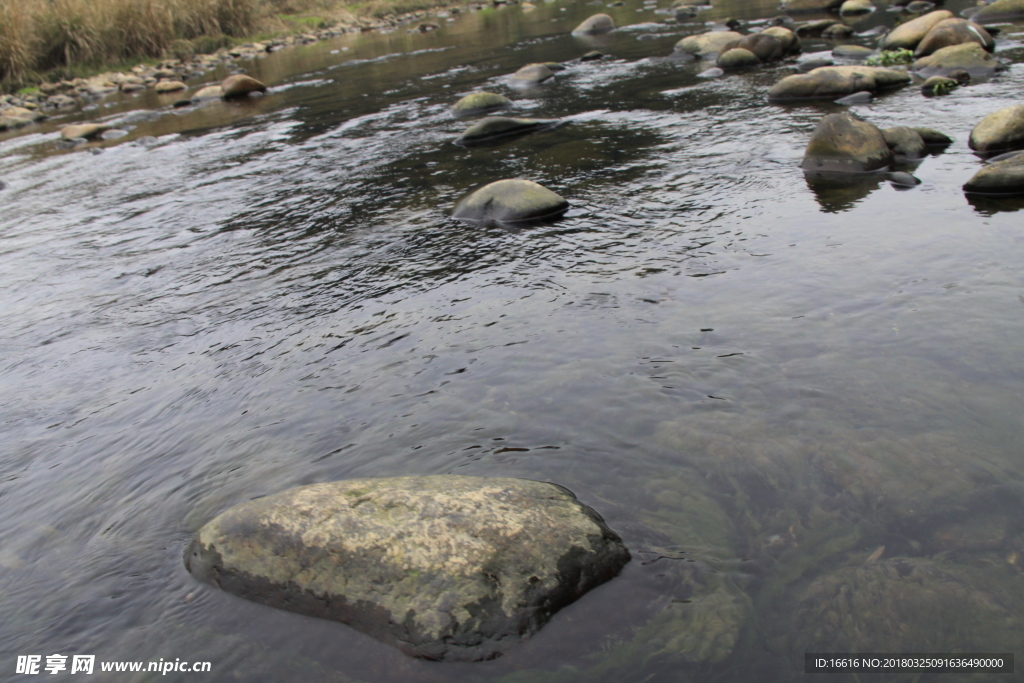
point(46, 40)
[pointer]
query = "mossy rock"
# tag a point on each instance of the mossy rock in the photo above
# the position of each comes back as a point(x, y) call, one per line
point(494, 128)
point(510, 201)
point(479, 103)
point(939, 85)
point(1001, 130)
point(442, 567)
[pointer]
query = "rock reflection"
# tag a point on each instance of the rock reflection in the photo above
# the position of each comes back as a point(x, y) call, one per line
point(837, 192)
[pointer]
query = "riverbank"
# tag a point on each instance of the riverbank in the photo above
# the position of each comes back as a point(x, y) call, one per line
point(48, 45)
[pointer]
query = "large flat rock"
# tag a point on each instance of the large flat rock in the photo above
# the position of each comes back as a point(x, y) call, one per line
point(442, 567)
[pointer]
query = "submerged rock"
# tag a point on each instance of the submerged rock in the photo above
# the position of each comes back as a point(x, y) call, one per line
point(240, 85)
point(852, 51)
point(210, 92)
point(595, 25)
point(856, 7)
point(1002, 130)
point(832, 82)
point(510, 201)
point(844, 144)
point(766, 47)
point(969, 57)
point(954, 32)
point(862, 97)
point(1000, 11)
point(1004, 177)
point(907, 36)
point(442, 567)
point(531, 75)
point(480, 102)
point(495, 127)
point(713, 42)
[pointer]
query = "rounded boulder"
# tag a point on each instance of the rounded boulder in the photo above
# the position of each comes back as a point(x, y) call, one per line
point(1004, 177)
point(954, 32)
point(240, 85)
point(907, 36)
point(480, 102)
point(832, 82)
point(1002, 130)
point(595, 25)
point(713, 42)
point(844, 144)
point(969, 57)
point(441, 567)
point(1000, 11)
point(510, 201)
point(737, 58)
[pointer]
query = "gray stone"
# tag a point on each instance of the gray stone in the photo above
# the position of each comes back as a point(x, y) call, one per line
point(833, 82)
point(210, 92)
point(899, 179)
point(862, 97)
point(999, 177)
point(510, 201)
point(844, 144)
point(480, 102)
point(531, 75)
point(852, 51)
point(907, 36)
point(737, 58)
point(495, 127)
point(969, 57)
point(1002, 130)
point(954, 32)
point(1000, 11)
point(595, 25)
point(837, 31)
point(442, 567)
point(905, 142)
point(713, 72)
point(809, 28)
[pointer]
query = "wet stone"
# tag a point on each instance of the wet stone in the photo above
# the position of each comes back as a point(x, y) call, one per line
point(905, 142)
point(240, 85)
point(531, 75)
point(907, 36)
point(595, 25)
point(441, 567)
point(969, 57)
point(833, 82)
point(842, 143)
point(737, 58)
point(1001, 130)
point(862, 97)
point(901, 180)
point(497, 127)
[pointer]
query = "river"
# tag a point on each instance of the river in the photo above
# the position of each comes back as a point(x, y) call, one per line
point(800, 407)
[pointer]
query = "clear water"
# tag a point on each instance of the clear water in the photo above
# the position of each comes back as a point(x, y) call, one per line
point(800, 408)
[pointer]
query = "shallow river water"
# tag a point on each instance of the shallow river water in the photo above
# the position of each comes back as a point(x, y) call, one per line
point(801, 408)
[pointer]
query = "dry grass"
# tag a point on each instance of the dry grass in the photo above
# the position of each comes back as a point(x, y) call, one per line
point(15, 47)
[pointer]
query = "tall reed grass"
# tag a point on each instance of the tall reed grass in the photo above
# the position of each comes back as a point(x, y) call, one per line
point(40, 36)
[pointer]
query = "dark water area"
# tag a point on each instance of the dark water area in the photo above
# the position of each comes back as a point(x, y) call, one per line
point(799, 405)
